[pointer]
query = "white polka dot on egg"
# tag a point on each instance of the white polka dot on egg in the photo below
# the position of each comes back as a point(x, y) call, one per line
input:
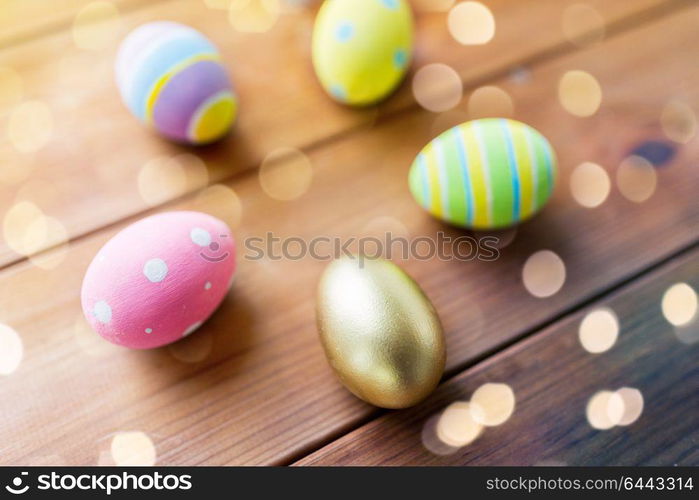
point(149, 330)
point(155, 270)
point(200, 236)
point(102, 312)
point(207, 285)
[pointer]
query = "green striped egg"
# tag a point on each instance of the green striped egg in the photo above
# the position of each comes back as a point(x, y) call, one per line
point(484, 174)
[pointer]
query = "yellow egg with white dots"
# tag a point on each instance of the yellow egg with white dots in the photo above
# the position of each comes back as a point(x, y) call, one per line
point(362, 48)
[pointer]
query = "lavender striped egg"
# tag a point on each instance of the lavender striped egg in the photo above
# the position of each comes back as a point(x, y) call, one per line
point(171, 77)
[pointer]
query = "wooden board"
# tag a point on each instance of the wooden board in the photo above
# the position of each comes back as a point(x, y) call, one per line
point(553, 378)
point(23, 20)
point(86, 177)
point(262, 392)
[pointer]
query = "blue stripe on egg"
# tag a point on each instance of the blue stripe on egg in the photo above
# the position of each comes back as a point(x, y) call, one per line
point(535, 171)
point(442, 175)
point(425, 180)
point(512, 160)
point(463, 162)
point(549, 169)
point(162, 58)
point(485, 162)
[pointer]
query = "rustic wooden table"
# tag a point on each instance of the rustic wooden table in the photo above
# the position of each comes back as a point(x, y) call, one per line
point(252, 386)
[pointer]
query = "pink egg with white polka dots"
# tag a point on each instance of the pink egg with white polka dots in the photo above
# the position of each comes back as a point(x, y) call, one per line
point(159, 279)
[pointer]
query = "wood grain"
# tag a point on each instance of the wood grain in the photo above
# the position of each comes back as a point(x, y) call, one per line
point(553, 378)
point(23, 20)
point(87, 177)
point(263, 393)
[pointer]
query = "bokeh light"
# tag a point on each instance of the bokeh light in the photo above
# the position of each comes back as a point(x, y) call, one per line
point(55, 236)
point(161, 179)
point(590, 184)
point(382, 225)
point(456, 426)
point(583, 25)
point(604, 410)
point(286, 174)
point(437, 87)
point(633, 405)
point(679, 304)
point(133, 448)
point(492, 404)
point(543, 274)
point(636, 179)
point(220, 201)
point(96, 26)
point(11, 350)
point(253, 16)
point(164, 178)
point(30, 126)
point(579, 93)
point(25, 228)
point(679, 122)
point(599, 330)
point(11, 87)
point(490, 101)
point(16, 166)
point(471, 23)
point(196, 173)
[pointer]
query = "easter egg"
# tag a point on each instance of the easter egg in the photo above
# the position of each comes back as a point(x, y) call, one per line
point(484, 174)
point(171, 77)
point(380, 333)
point(159, 279)
point(362, 48)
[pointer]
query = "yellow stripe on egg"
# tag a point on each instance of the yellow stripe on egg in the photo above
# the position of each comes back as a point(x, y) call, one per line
point(436, 199)
point(213, 117)
point(482, 205)
point(160, 83)
point(525, 171)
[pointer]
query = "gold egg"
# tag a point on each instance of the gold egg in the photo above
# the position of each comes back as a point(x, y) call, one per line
point(380, 332)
